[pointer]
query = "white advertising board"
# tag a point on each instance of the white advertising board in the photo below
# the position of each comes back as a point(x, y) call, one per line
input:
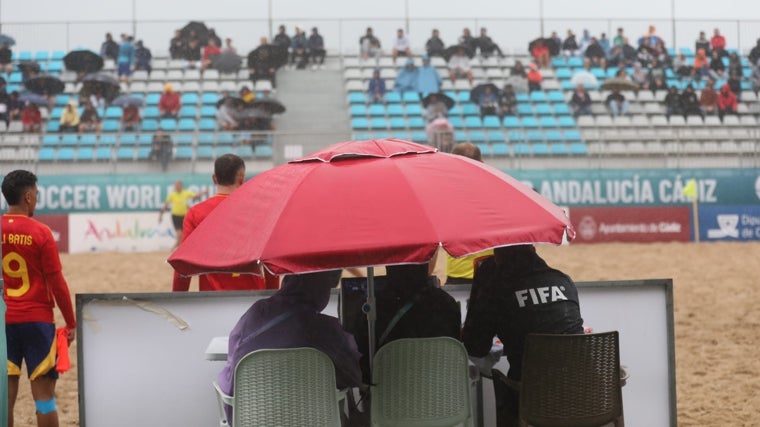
point(122, 232)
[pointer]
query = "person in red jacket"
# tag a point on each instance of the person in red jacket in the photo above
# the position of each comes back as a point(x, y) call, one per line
point(169, 103)
point(229, 175)
point(31, 118)
point(718, 43)
point(727, 103)
point(34, 285)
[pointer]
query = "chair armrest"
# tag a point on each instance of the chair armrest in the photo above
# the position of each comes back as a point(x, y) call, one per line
point(223, 399)
point(624, 375)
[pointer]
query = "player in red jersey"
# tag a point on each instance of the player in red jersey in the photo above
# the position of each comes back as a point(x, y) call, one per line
point(229, 175)
point(34, 284)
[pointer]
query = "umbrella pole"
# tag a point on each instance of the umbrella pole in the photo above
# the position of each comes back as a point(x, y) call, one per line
point(369, 308)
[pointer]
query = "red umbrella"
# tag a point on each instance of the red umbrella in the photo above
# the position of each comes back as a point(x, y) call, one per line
point(365, 203)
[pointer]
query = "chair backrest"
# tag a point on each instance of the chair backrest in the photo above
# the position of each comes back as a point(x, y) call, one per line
point(571, 380)
point(420, 382)
point(285, 387)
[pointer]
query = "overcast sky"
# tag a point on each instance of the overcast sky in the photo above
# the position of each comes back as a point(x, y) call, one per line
point(510, 22)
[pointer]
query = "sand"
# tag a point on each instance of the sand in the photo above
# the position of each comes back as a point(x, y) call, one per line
point(717, 322)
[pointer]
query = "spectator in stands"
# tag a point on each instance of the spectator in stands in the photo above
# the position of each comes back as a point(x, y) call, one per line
point(130, 118)
point(468, 41)
point(299, 53)
point(616, 103)
point(701, 66)
point(406, 79)
point(169, 104)
point(708, 99)
point(681, 66)
point(518, 69)
point(428, 79)
point(15, 107)
point(161, 149)
point(727, 103)
point(690, 103)
point(541, 54)
point(369, 45)
point(755, 77)
point(317, 52)
point(585, 41)
point(98, 100)
point(486, 45)
point(69, 118)
point(143, 57)
point(735, 64)
point(507, 101)
point(376, 87)
point(594, 55)
point(282, 38)
point(225, 116)
point(556, 39)
point(735, 83)
point(657, 79)
point(570, 45)
point(5, 100)
point(717, 69)
point(673, 103)
point(193, 51)
point(638, 76)
point(660, 53)
point(604, 42)
point(488, 102)
point(211, 35)
point(702, 43)
point(645, 53)
point(90, 120)
point(754, 55)
point(580, 102)
point(434, 46)
point(459, 65)
point(31, 118)
point(436, 109)
point(534, 78)
point(109, 49)
point(210, 52)
point(718, 43)
point(401, 45)
point(228, 47)
point(126, 58)
point(6, 61)
point(262, 66)
point(651, 36)
point(622, 55)
point(247, 95)
point(440, 134)
point(619, 38)
point(177, 46)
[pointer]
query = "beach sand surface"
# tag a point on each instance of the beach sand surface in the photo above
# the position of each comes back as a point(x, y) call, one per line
point(717, 320)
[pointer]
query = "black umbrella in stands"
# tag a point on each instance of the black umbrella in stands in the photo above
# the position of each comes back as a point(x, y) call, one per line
point(104, 83)
point(45, 84)
point(199, 28)
point(128, 101)
point(438, 97)
point(269, 105)
point(548, 42)
point(29, 67)
point(274, 54)
point(34, 98)
point(227, 63)
point(481, 88)
point(451, 50)
point(84, 61)
point(234, 101)
point(4, 38)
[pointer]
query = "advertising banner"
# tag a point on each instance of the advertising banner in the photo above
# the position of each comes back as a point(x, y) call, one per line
point(125, 232)
point(729, 223)
point(59, 225)
point(642, 224)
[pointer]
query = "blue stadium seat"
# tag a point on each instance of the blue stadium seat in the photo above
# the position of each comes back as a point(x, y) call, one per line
point(540, 149)
point(559, 61)
point(61, 99)
point(544, 109)
point(556, 96)
point(567, 85)
point(143, 153)
point(522, 97)
point(152, 98)
point(356, 98)
point(103, 154)
point(525, 109)
point(358, 110)
point(151, 112)
point(538, 96)
point(125, 153)
point(24, 55)
point(205, 152)
point(575, 62)
point(185, 139)
point(410, 97)
point(456, 110)
point(50, 140)
point(572, 136)
point(376, 110)
point(52, 126)
point(206, 139)
point(470, 109)
point(563, 73)
point(65, 154)
point(612, 71)
point(57, 55)
point(209, 98)
point(244, 151)
point(41, 56)
point(112, 112)
point(108, 139)
point(70, 139)
point(395, 110)
point(184, 153)
point(416, 123)
point(188, 112)
point(46, 154)
point(500, 149)
point(225, 138)
point(473, 122)
point(130, 138)
point(548, 122)
point(460, 136)
point(392, 97)
point(561, 109)
point(359, 123)
point(168, 125)
point(477, 136)
point(578, 149)
point(110, 125)
point(381, 135)
point(149, 125)
point(485, 149)
point(599, 73)
point(456, 122)
point(55, 114)
point(206, 125)
point(553, 136)
point(521, 149)
point(414, 109)
point(419, 136)
point(511, 122)
point(85, 154)
point(378, 123)
point(397, 123)
point(186, 125)
point(400, 134)
point(516, 135)
point(88, 139)
point(15, 77)
point(189, 98)
point(143, 139)
point(208, 111)
point(529, 122)
point(496, 136)
point(263, 151)
point(565, 121)
point(535, 136)
point(559, 148)
point(491, 122)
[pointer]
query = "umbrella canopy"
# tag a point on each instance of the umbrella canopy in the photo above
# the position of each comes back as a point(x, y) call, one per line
point(4, 38)
point(268, 105)
point(619, 83)
point(585, 78)
point(200, 29)
point(128, 101)
point(226, 63)
point(29, 67)
point(34, 98)
point(45, 84)
point(236, 102)
point(85, 61)
point(268, 52)
point(519, 84)
point(439, 96)
point(451, 50)
point(481, 88)
point(548, 42)
point(365, 203)
point(104, 83)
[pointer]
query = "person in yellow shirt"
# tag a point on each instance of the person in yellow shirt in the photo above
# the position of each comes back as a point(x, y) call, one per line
point(179, 200)
point(69, 118)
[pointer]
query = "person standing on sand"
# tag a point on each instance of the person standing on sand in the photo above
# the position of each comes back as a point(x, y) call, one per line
point(178, 200)
point(34, 284)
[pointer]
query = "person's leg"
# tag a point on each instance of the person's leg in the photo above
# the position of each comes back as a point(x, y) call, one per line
point(13, 381)
point(43, 393)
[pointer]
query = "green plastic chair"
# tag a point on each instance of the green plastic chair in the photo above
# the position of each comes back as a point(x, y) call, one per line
point(283, 387)
point(421, 382)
